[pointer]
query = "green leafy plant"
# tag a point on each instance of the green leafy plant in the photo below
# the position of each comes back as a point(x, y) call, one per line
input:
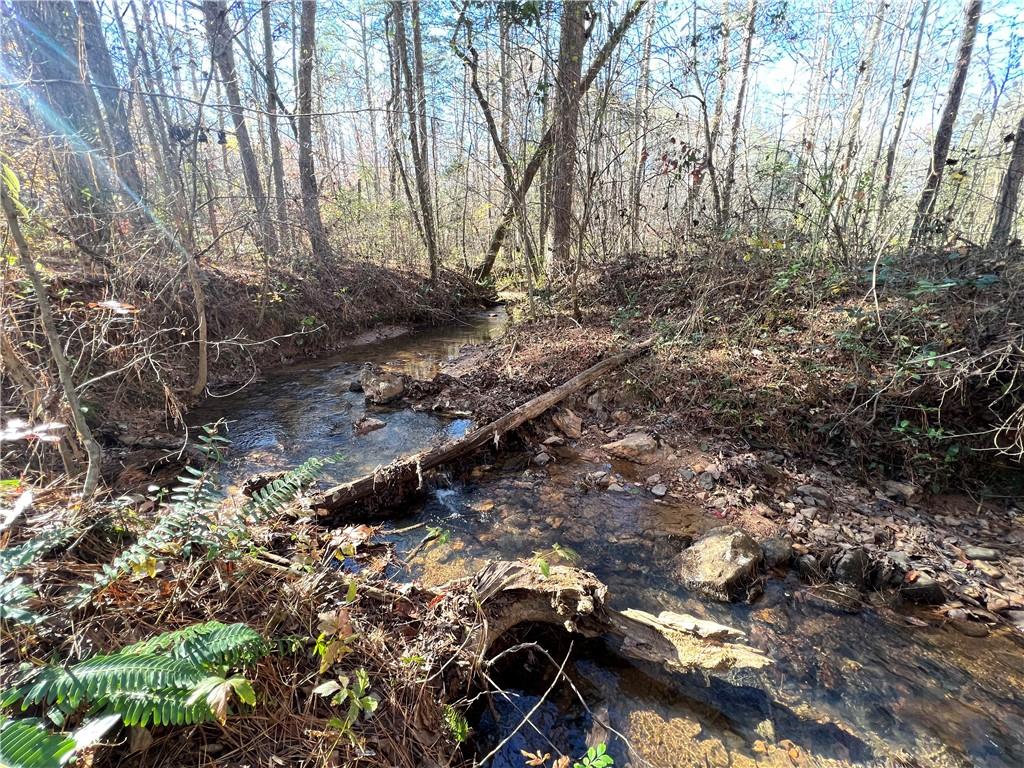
point(455, 723)
point(557, 553)
point(596, 757)
point(25, 742)
point(177, 678)
point(194, 523)
point(355, 692)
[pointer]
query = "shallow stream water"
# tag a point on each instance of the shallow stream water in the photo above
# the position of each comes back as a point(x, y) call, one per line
point(868, 688)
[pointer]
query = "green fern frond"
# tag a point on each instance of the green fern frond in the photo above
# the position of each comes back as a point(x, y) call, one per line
point(167, 640)
point(25, 743)
point(278, 493)
point(103, 677)
point(164, 707)
point(225, 645)
point(207, 645)
point(14, 596)
point(13, 558)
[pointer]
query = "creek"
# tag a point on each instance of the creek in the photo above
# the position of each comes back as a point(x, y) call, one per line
point(866, 688)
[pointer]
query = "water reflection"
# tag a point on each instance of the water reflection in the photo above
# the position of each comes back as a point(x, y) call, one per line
point(309, 411)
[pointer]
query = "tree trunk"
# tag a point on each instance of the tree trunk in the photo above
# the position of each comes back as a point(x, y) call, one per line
point(307, 171)
point(737, 117)
point(1006, 204)
point(944, 134)
point(92, 448)
point(536, 159)
point(114, 99)
point(641, 124)
point(48, 38)
point(220, 37)
point(901, 115)
point(370, 105)
point(567, 111)
point(277, 159)
point(418, 141)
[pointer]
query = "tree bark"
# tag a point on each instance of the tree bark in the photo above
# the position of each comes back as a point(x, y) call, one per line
point(418, 142)
point(113, 97)
point(277, 159)
point(567, 110)
point(1009, 189)
point(737, 117)
point(944, 134)
point(307, 171)
point(901, 115)
point(92, 448)
point(483, 270)
point(48, 39)
point(220, 37)
point(641, 122)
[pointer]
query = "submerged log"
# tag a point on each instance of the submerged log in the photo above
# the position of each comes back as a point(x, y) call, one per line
point(516, 593)
point(387, 486)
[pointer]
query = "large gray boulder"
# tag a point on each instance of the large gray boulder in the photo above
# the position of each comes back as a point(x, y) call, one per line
point(721, 563)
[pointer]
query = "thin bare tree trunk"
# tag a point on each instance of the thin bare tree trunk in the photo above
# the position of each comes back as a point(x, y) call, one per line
point(92, 448)
point(277, 159)
point(101, 69)
point(544, 145)
point(417, 131)
point(641, 123)
point(944, 134)
point(737, 117)
point(220, 37)
point(307, 170)
point(901, 116)
point(1009, 189)
point(47, 36)
point(371, 105)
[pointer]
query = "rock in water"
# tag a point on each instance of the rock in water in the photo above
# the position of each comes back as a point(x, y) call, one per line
point(638, 447)
point(570, 424)
point(367, 424)
point(380, 388)
point(721, 563)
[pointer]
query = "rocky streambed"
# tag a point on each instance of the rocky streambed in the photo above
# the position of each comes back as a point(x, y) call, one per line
point(865, 671)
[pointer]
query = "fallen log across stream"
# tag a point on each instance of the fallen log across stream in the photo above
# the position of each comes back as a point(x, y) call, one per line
point(389, 485)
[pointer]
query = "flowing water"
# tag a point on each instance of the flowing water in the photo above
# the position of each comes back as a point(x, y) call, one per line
point(846, 689)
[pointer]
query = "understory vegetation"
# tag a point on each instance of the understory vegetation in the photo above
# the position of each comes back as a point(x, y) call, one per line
point(812, 208)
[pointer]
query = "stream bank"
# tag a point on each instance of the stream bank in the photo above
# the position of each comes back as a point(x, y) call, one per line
point(851, 685)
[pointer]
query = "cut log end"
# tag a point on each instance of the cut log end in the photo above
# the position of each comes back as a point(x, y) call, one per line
point(516, 593)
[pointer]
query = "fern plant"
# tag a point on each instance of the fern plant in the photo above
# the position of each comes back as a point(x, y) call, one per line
point(177, 678)
point(25, 742)
point(193, 522)
point(15, 594)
